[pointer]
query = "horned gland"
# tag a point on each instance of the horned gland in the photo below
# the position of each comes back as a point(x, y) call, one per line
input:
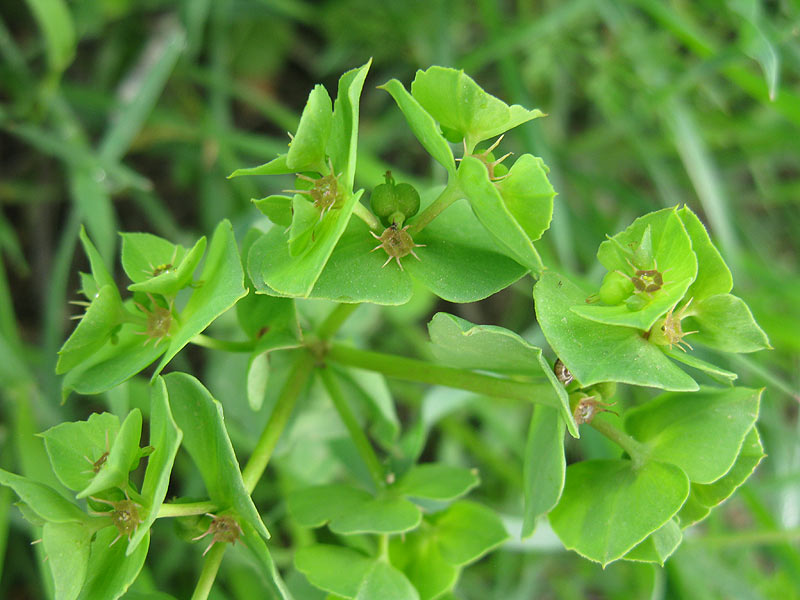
point(669, 332)
point(223, 528)
point(397, 243)
point(124, 515)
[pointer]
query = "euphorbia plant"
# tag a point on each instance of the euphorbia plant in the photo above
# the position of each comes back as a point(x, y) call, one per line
point(390, 526)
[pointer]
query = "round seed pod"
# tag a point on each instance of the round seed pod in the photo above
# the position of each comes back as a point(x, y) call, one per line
point(615, 289)
point(393, 203)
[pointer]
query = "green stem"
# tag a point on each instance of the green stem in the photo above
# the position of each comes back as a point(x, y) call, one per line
point(636, 450)
point(360, 440)
point(383, 547)
point(335, 320)
point(423, 372)
point(449, 195)
point(362, 212)
point(186, 509)
point(294, 385)
point(209, 572)
point(226, 345)
point(749, 538)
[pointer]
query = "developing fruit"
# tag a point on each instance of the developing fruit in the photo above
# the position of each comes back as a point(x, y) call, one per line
point(393, 203)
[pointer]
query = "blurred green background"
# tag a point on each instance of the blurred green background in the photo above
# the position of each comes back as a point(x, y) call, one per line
point(128, 115)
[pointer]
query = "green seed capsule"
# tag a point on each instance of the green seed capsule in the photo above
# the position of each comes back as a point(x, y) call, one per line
point(394, 203)
point(606, 390)
point(407, 199)
point(615, 289)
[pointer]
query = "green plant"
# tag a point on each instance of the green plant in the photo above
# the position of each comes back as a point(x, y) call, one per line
point(401, 525)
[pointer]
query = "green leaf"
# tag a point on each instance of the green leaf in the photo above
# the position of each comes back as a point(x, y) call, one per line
point(257, 379)
point(385, 582)
point(422, 124)
point(713, 275)
point(255, 543)
point(755, 41)
point(276, 208)
point(459, 343)
point(200, 418)
point(492, 212)
point(67, 548)
point(608, 507)
point(221, 285)
point(467, 530)
point(114, 363)
point(384, 514)
point(100, 272)
point(659, 545)
point(74, 448)
point(343, 139)
point(43, 500)
point(305, 218)
point(724, 322)
point(528, 195)
point(605, 352)
point(417, 555)
point(276, 166)
point(713, 371)
point(93, 331)
point(354, 272)
point(270, 321)
point(174, 278)
point(55, 21)
point(460, 105)
point(436, 481)
point(671, 255)
point(123, 457)
point(111, 571)
point(701, 432)
point(92, 199)
point(165, 438)
point(296, 275)
point(333, 568)
point(307, 149)
point(544, 467)
point(142, 253)
point(315, 506)
point(371, 391)
point(704, 497)
point(461, 262)
point(142, 85)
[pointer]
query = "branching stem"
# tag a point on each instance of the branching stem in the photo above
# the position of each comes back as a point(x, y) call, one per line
point(420, 371)
point(449, 195)
point(636, 450)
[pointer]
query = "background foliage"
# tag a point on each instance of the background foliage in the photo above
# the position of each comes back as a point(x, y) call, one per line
point(124, 115)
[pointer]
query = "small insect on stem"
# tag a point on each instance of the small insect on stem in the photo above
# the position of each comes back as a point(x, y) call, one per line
point(98, 464)
point(562, 372)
